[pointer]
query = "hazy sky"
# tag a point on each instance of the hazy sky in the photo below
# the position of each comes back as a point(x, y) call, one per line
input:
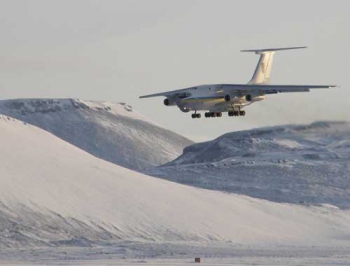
point(119, 50)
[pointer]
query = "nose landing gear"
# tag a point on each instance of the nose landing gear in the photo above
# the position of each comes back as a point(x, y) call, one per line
point(195, 115)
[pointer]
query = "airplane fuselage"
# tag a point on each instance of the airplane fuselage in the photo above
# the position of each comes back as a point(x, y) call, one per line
point(208, 98)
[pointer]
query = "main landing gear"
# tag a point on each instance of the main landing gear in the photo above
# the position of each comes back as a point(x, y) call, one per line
point(236, 113)
point(213, 114)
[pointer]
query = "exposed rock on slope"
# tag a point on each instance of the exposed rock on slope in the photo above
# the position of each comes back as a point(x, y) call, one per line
point(307, 164)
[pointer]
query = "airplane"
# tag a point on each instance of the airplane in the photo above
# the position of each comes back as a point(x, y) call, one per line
point(232, 98)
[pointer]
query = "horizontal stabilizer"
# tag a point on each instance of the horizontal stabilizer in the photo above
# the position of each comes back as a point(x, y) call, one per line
point(258, 51)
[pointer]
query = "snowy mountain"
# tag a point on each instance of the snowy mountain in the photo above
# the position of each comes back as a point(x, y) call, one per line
point(306, 164)
point(110, 131)
point(55, 194)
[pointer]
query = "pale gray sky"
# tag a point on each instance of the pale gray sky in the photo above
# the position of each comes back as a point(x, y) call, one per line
point(118, 50)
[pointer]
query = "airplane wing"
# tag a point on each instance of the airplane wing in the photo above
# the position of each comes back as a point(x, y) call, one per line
point(180, 93)
point(225, 88)
point(270, 89)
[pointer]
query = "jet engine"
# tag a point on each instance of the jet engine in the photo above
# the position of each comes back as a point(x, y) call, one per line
point(227, 98)
point(254, 98)
point(169, 102)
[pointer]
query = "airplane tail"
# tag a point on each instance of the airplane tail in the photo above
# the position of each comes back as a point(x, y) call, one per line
point(263, 69)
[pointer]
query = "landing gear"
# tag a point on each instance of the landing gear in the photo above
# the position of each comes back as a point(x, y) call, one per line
point(236, 113)
point(195, 115)
point(219, 114)
point(213, 114)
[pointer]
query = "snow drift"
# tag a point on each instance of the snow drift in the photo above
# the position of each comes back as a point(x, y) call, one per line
point(54, 194)
point(306, 164)
point(111, 131)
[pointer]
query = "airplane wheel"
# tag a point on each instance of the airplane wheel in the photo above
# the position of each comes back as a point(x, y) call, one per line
point(207, 114)
point(198, 116)
point(219, 114)
point(193, 115)
point(212, 114)
point(235, 113)
point(242, 113)
point(230, 113)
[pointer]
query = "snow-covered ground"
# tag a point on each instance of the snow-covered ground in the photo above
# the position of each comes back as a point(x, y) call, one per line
point(111, 131)
point(305, 164)
point(154, 255)
point(54, 194)
point(60, 204)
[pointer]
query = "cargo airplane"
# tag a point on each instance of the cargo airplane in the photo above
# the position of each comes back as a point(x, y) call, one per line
point(232, 98)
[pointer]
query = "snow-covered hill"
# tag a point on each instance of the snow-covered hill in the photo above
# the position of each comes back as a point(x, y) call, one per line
point(111, 131)
point(307, 164)
point(54, 194)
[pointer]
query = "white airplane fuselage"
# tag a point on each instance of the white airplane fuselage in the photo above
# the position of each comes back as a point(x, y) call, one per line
point(206, 97)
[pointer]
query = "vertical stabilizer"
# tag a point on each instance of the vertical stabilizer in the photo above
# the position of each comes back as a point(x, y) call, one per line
point(262, 71)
